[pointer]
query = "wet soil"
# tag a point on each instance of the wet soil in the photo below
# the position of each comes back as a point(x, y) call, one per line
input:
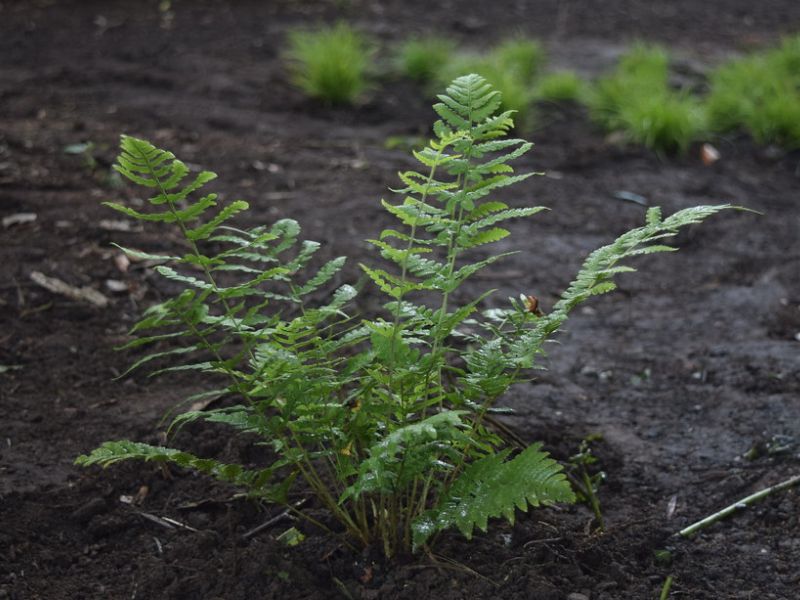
point(691, 373)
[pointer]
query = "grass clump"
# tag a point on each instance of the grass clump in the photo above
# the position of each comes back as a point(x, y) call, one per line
point(666, 123)
point(759, 94)
point(421, 59)
point(520, 56)
point(330, 64)
point(642, 72)
point(560, 86)
point(637, 100)
point(385, 419)
point(778, 120)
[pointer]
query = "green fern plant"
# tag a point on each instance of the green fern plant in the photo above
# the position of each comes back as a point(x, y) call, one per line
point(330, 64)
point(385, 420)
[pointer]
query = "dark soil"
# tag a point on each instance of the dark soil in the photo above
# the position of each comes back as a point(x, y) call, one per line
point(695, 364)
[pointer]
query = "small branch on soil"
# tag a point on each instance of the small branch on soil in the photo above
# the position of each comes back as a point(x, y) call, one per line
point(442, 562)
point(165, 522)
point(666, 588)
point(743, 503)
point(82, 294)
point(268, 523)
point(271, 521)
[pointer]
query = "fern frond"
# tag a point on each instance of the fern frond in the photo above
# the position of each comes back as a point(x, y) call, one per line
point(460, 106)
point(145, 340)
point(500, 215)
point(391, 285)
point(323, 276)
point(241, 418)
point(503, 159)
point(417, 214)
point(288, 230)
point(206, 229)
point(487, 370)
point(139, 255)
point(111, 453)
point(485, 209)
point(143, 163)
point(494, 487)
point(487, 236)
point(157, 355)
point(408, 452)
point(470, 269)
point(170, 273)
point(146, 165)
point(192, 212)
point(484, 187)
point(453, 319)
point(596, 274)
point(341, 296)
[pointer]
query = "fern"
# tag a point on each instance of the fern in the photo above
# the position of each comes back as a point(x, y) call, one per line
point(409, 452)
point(597, 273)
point(495, 487)
point(381, 418)
point(256, 481)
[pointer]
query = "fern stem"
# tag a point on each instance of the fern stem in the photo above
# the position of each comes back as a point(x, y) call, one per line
point(404, 268)
point(321, 491)
point(312, 477)
point(361, 514)
point(423, 497)
point(591, 496)
point(452, 245)
point(476, 423)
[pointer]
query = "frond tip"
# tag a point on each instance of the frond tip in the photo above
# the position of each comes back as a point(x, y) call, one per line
point(494, 487)
point(471, 100)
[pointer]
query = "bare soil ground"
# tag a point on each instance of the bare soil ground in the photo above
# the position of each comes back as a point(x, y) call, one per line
point(695, 364)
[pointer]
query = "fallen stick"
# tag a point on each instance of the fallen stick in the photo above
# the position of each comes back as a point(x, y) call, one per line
point(666, 588)
point(743, 503)
point(165, 522)
point(82, 294)
point(265, 525)
point(270, 522)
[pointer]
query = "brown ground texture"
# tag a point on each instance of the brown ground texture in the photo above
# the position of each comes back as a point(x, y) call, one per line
point(694, 364)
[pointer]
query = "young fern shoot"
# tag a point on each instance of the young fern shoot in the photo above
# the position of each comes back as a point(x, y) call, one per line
point(382, 419)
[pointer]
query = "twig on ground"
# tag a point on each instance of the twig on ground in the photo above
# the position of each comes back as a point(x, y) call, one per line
point(165, 522)
point(81, 294)
point(665, 588)
point(179, 524)
point(156, 520)
point(272, 520)
point(439, 561)
point(268, 523)
point(743, 503)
